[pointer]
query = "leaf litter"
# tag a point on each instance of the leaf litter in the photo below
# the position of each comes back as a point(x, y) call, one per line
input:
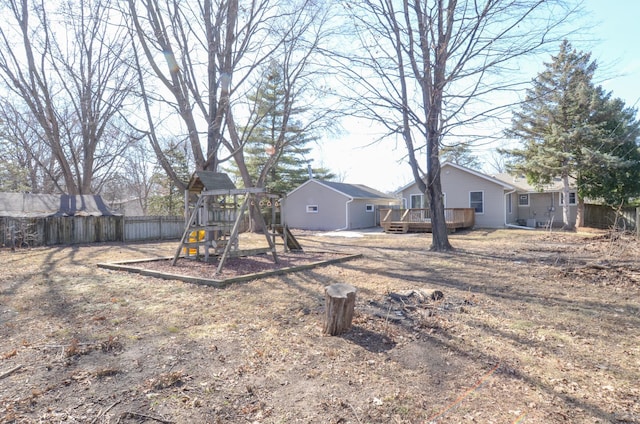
point(514, 326)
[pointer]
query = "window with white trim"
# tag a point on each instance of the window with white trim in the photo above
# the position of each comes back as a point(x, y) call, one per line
point(369, 208)
point(312, 208)
point(509, 204)
point(476, 201)
point(523, 200)
point(417, 201)
point(572, 198)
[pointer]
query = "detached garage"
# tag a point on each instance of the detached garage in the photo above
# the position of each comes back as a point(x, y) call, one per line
point(327, 206)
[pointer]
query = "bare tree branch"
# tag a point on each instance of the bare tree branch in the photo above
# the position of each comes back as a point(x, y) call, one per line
point(424, 68)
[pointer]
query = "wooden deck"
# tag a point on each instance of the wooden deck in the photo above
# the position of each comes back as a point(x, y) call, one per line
point(402, 221)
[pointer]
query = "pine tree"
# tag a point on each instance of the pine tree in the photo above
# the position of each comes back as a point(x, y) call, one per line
point(277, 143)
point(460, 154)
point(555, 122)
point(572, 129)
point(610, 171)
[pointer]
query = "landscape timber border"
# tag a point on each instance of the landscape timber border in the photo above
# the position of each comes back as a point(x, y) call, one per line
point(129, 266)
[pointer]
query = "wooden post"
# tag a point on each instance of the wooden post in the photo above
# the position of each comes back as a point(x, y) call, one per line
point(340, 300)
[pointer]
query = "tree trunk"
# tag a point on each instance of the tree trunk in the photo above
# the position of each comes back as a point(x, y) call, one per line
point(340, 300)
point(580, 213)
point(439, 231)
point(566, 209)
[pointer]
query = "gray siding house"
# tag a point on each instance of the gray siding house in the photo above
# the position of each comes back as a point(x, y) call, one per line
point(465, 188)
point(328, 205)
point(499, 200)
point(534, 207)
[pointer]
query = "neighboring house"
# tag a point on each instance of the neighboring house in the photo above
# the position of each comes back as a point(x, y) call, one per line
point(327, 205)
point(499, 200)
point(465, 188)
point(28, 205)
point(533, 207)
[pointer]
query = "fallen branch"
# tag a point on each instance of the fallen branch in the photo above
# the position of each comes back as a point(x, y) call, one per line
point(146, 417)
point(102, 412)
point(9, 372)
point(355, 413)
point(597, 266)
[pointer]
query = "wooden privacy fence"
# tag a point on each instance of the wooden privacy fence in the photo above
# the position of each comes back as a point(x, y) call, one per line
point(49, 231)
point(142, 228)
point(60, 230)
point(600, 216)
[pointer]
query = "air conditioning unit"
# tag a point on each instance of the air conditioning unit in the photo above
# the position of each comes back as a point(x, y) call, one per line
point(531, 222)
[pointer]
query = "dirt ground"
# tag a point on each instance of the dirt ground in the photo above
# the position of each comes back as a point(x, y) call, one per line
point(531, 327)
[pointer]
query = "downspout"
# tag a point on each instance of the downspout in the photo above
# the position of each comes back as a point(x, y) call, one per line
point(346, 223)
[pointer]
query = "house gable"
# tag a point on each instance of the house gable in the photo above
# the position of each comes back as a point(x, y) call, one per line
point(463, 188)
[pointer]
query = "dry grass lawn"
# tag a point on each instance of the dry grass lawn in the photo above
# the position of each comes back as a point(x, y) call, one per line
point(533, 327)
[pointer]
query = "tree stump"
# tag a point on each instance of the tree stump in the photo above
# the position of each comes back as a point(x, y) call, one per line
point(340, 300)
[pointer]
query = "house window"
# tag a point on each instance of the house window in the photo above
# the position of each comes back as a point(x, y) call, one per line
point(417, 201)
point(572, 198)
point(476, 201)
point(312, 208)
point(523, 200)
point(368, 208)
point(509, 204)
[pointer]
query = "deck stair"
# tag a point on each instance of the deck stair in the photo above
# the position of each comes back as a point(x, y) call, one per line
point(397, 227)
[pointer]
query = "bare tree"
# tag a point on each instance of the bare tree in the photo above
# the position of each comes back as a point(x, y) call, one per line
point(496, 162)
point(27, 163)
point(302, 102)
point(132, 182)
point(64, 62)
point(206, 56)
point(424, 68)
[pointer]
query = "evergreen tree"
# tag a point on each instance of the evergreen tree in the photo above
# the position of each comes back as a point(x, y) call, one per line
point(460, 154)
point(574, 130)
point(277, 142)
point(610, 171)
point(555, 122)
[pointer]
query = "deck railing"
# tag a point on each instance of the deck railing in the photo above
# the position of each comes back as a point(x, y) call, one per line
point(461, 217)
